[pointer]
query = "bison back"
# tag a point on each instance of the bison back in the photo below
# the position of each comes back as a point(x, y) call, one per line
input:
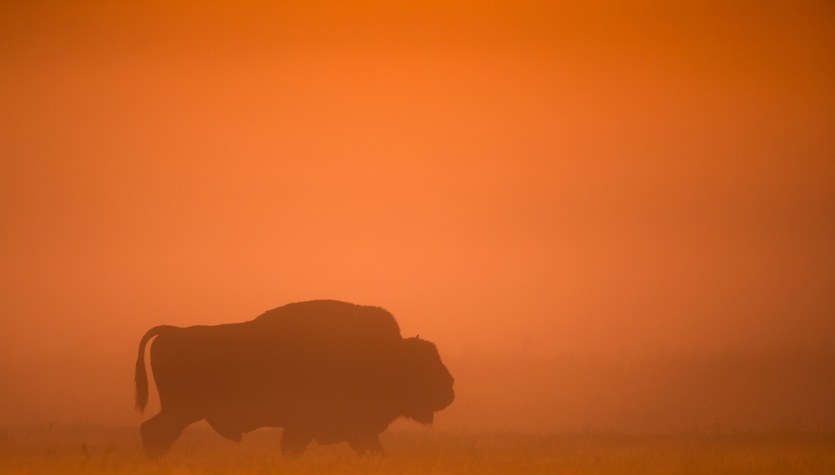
point(326, 366)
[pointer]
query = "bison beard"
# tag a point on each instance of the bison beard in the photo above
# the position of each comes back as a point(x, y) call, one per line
point(323, 370)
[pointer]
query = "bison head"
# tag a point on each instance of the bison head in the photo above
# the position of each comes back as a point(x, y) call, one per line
point(427, 384)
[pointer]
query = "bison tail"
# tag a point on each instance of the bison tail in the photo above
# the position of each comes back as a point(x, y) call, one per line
point(141, 377)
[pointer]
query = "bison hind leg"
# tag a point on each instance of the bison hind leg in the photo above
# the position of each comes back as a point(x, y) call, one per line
point(160, 432)
point(226, 430)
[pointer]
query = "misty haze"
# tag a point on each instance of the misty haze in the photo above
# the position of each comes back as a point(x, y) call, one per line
point(613, 223)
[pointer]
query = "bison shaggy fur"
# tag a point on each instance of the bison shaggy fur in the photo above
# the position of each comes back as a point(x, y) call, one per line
point(323, 370)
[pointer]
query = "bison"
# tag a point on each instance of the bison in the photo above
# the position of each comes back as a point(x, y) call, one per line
point(322, 370)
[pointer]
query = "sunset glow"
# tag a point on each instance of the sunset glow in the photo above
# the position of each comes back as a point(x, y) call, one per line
point(582, 204)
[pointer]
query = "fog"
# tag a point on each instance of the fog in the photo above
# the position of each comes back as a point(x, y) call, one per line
point(607, 217)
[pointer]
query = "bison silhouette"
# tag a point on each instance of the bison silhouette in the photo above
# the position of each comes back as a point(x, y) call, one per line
point(323, 370)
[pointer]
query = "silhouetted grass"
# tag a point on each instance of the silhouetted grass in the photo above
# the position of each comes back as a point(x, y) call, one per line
point(94, 450)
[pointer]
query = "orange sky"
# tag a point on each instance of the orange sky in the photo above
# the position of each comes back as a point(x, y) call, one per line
point(505, 177)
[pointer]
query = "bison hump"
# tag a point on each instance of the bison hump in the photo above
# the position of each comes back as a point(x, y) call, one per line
point(331, 319)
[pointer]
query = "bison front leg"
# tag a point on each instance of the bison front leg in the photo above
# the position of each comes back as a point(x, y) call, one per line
point(160, 432)
point(293, 442)
point(366, 444)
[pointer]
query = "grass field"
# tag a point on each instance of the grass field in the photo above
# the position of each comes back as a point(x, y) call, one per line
point(92, 450)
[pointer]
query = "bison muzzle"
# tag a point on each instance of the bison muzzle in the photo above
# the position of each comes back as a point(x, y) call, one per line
point(323, 370)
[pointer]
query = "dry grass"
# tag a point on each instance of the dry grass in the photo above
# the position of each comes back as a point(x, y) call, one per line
point(93, 450)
